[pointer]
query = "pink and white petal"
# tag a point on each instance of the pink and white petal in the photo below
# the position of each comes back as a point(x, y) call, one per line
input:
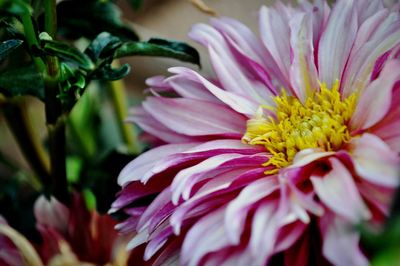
point(136, 190)
point(238, 103)
point(367, 8)
point(226, 146)
point(289, 235)
point(185, 180)
point(301, 202)
point(196, 207)
point(339, 193)
point(388, 129)
point(137, 240)
point(341, 245)
point(195, 117)
point(378, 35)
point(375, 161)
point(169, 256)
point(223, 62)
point(231, 256)
point(137, 168)
point(200, 152)
point(375, 101)
point(196, 246)
point(336, 41)
point(150, 125)
point(237, 210)
point(264, 82)
point(245, 161)
point(379, 197)
point(191, 89)
point(264, 231)
point(244, 38)
point(275, 33)
point(303, 72)
point(299, 253)
point(249, 49)
point(51, 213)
point(182, 179)
point(158, 84)
point(152, 210)
point(307, 156)
point(319, 11)
point(157, 240)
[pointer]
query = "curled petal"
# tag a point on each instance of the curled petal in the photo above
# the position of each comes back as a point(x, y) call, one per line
point(339, 192)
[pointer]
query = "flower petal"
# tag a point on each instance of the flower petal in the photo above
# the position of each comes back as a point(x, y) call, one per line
point(137, 168)
point(340, 245)
point(150, 125)
point(375, 161)
point(275, 33)
point(336, 41)
point(376, 36)
point(236, 102)
point(264, 230)
point(303, 73)
point(195, 117)
point(375, 101)
point(196, 246)
point(338, 191)
point(237, 210)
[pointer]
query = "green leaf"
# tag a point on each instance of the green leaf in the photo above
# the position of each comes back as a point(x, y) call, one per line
point(89, 18)
point(69, 53)
point(160, 47)
point(74, 167)
point(22, 81)
point(15, 7)
point(73, 82)
point(109, 73)
point(103, 47)
point(7, 47)
point(90, 199)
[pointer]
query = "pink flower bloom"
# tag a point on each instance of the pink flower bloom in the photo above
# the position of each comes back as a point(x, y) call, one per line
point(70, 235)
point(293, 142)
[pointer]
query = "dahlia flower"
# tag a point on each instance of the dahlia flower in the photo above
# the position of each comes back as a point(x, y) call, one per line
point(277, 157)
point(70, 236)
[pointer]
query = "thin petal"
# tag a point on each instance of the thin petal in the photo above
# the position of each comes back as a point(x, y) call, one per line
point(336, 41)
point(238, 209)
point(275, 33)
point(196, 246)
point(375, 161)
point(195, 117)
point(303, 73)
point(375, 101)
point(338, 191)
point(150, 125)
point(340, 245)
point(236, 102)
point(137, 168)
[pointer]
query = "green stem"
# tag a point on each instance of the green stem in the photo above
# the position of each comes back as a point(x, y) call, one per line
point(53, 108)
point(32, 40)
point(50, 13)
point(54, 114)
point(18, 120)
point(129, 135)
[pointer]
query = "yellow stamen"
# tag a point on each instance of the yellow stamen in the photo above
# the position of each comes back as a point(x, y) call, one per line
point(321, 122)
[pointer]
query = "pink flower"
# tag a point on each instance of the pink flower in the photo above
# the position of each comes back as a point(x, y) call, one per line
point(293, 142)
point(70, 235)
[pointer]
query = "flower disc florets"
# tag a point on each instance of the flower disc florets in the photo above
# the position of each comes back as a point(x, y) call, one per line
point(320, 122)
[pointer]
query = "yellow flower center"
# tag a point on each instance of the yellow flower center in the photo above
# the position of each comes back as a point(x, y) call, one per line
point(321, 122)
